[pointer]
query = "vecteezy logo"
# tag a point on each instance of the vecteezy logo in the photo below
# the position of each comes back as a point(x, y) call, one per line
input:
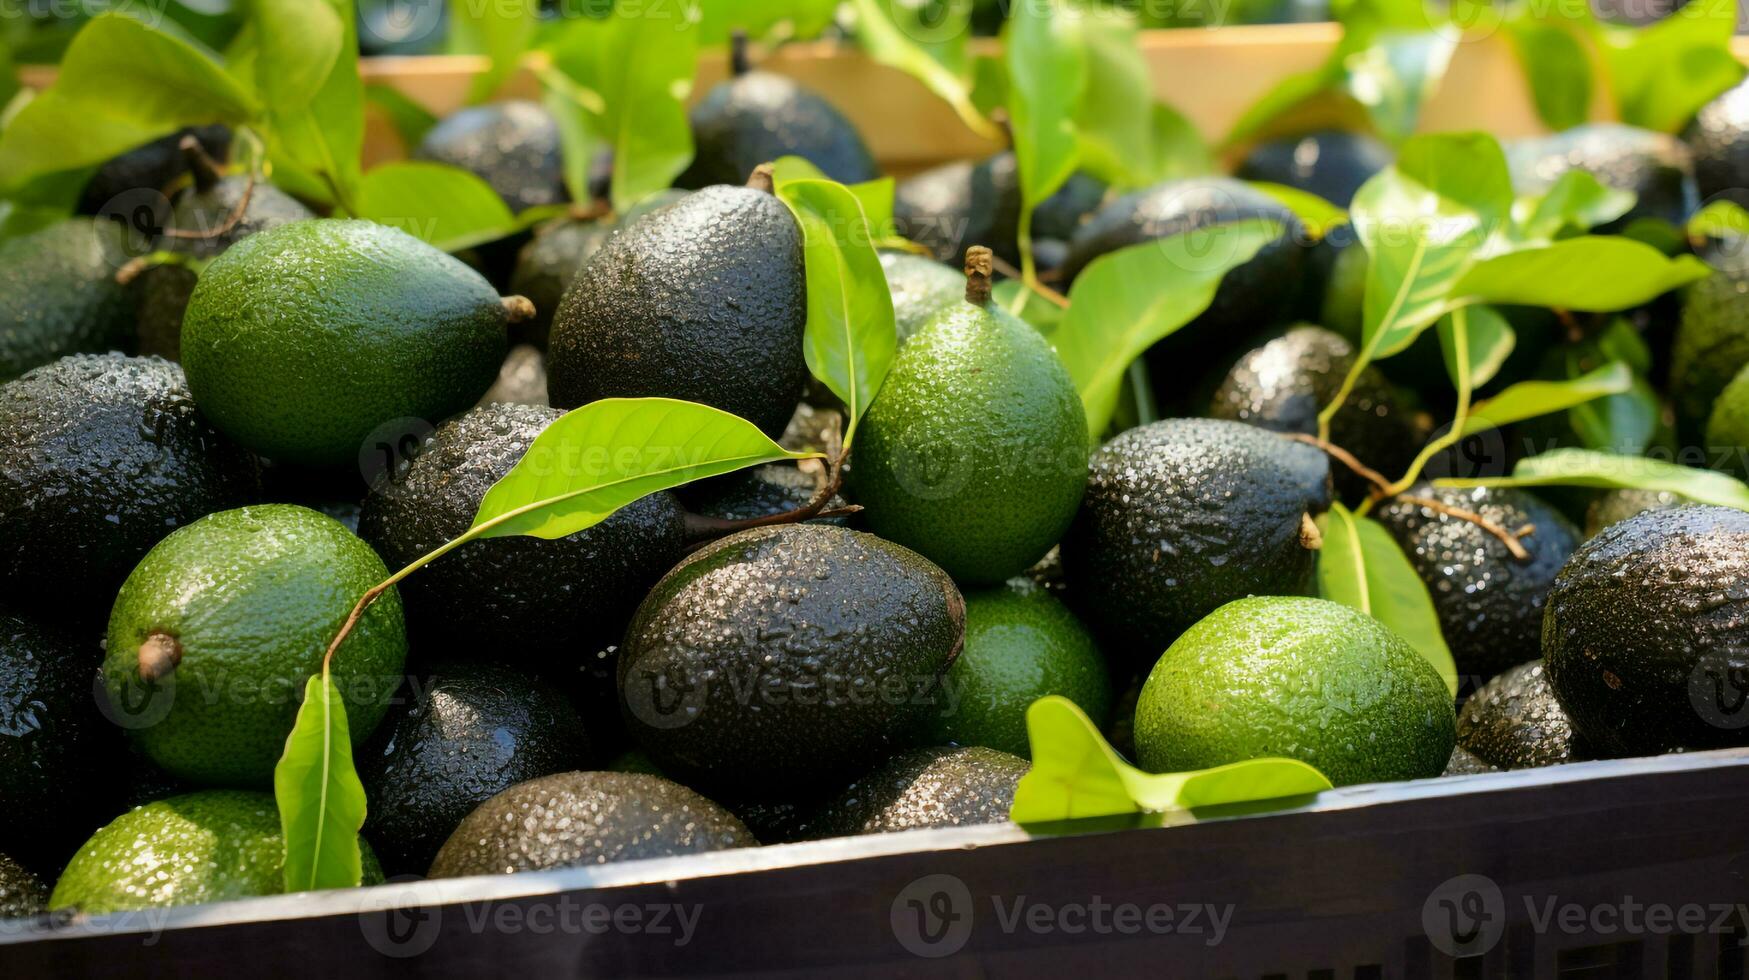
point(662, 701)
point(394, 926)
point(1718, 687)
point(385, 455)
point(932, 916)
point(1465, 915)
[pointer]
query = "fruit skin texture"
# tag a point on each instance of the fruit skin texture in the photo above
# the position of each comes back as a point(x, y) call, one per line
point(1022, 643)
point(974, 453)
point(578, 819)
point(1514, 722)
point(1727, 429)
point(119, 445)
point(758, 117)
point(302, 339)
point(1300, 678)
point(512, 145)
point(1490, 605)
point(703, 300)
point(1616, 506)
point(1657, 167)
point(921, 288)
point(936, 787)
point(1330, 163)
point(462, 734)
point(763, 491)
point(58, 755)
point(151, 166)
point(210, 846)
point(548, 264)
point(952, 207)
point(1183, 516)
point(22, 894)
point(1283, 385)
point(1712, 338)
point(254, 596)
point(553, 606)
point(58, 295)
point(1719, 137)
point(785, 655)
point(1644, 631)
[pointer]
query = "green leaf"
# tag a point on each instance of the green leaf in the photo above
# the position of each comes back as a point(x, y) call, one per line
point(80, 121)
point(1663, 73)
point(1115, 119)
point(1131, 299)
point(1529, 399)
point(596, 459)
point(1658, 233)
point(323, 135)
point(1475, 341)
point(989, 83)
point(297, 43)
point(640, 63)
point(1362, 567)
point(1720, 219)
point(1179, 149)
point(1593, 274)
point(1318, 215)
point(851, 336)
point(1281, 99)
point(786, 20)
point(1558, 69)
point(410, 119)
point(928, 42)
point(1042, 314)
point(1576, 201)
point(1047, 72)
point(321, 801)
point(1395, 75)
point(1611, 471)
point(1076, 774)
point(876, 196)
point(579, 141)
point(502, 30)
point(446, 206)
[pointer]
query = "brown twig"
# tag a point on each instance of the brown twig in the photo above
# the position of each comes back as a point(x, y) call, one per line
point(231, 220)
point(827, 485)
point(1043, 291)
point(517, 309)
point(980, 261)
point(158, 656)
point(1508, 538)
point(1346, 458)
point(763, 178)
point(352, 619)
point(1575, 333)
point(132, 270)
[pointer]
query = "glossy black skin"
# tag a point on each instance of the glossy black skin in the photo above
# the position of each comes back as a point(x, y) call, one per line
point(936, 787)
point(953, 207)
point(1514, 722)
point(757, 117)
point(118, 446)
point(513, 146)
point(546, 266)
point(1645, 632)
point(60, 759)
point(703, 300)
point(459, 736)
point(1283, 385)
point(22, 894)
point(1656, 166)
point(58, 295)
point(580, 819)
point(1183, 516)
point(763, 491)
point(784, 656)
point(551, 606)
point(1490, 605)
point(1330, 163)
point(152, 166)
point(1719, 137)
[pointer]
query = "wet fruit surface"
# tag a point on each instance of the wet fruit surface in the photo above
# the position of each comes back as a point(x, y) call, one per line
point(1514, 722)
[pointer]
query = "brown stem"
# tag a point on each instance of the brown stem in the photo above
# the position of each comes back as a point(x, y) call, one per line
point(364, 602)
point(739, 62)
point(980, 263)
point(1346, 458)
point(593, 211)
point(133, 269)
point(1003, 122)
point(159, 655)
point(1010, 272)
point(1311, 538)
point(517, 309)
point(827, 487)
point(1507, 538)
point(231, 220)
point(764, 178)
point(705, 526)
point(204, 168)
point(1575, 333)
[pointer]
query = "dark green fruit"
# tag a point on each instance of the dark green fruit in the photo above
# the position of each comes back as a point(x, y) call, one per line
point(921, 288)
point(1465, 763)
point(1490, 604)
point(756, 117)
point(546, 266)
point(1727, 429)
point(580, 819)
point(59, 758)
point(218, 629)
point(703, 300)
point(1616, 506)
point(939, 787)
point(303, 339)
point(1719, 138)
point(958, 205)
point(1300, 678)
point(1283, 385)
point(211, 846)
point(58, 295)
point(513, 146)
point(786, 655)
point(522, 380)
point(554, 606)
point(974, 454)
point(1022, 644)
point(1657, 167)
point(1514, 722)
point(1182, 517)
point(151, 166)
point(118, 445)
point(161, 295)
point(462, 734)
point(22, 894)
point(1712, 338)
point(1329, 163)
point(763, 491)
point(1644, 633)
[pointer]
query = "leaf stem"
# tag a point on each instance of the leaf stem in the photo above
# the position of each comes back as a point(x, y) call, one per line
point(1028, 263)
point(1346, 458)
point(1507, 537)
point(1044, 292)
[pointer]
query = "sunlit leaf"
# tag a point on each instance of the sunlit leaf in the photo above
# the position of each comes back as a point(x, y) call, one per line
point(1363, 567)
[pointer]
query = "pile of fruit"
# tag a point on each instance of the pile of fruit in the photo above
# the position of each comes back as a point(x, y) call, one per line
point(791, 501)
